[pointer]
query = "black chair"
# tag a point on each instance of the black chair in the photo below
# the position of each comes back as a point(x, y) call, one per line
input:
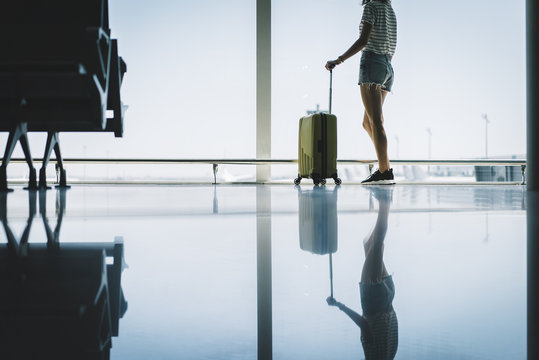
point(59, 71)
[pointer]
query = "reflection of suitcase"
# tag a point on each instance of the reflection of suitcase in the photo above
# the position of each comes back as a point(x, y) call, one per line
point(317, 150)
point(318, 230)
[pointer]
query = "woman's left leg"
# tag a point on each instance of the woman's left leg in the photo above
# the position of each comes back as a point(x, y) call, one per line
point(373, 121)
point(367, 122)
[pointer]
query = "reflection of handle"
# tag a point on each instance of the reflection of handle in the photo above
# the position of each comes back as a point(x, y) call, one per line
point(331, 273)
point(215, 201)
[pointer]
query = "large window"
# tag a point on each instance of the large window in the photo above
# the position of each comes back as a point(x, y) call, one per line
point(190, 85)
point(191, 82)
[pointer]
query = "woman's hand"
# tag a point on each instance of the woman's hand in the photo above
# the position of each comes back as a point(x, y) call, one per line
point(332, 63)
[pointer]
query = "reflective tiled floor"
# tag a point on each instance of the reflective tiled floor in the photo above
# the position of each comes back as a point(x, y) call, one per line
point(245, 271)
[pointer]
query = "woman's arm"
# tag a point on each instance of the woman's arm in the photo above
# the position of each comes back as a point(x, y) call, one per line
point(355, 48)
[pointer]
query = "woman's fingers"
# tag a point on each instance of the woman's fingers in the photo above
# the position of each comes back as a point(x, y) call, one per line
point(330, 65)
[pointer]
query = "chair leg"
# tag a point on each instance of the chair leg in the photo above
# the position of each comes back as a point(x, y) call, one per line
point(43, 178)
point(13, 138)
point(51, 141)
point(32, 181)
point(3, 179)
point(60, 165)
point(63, 180)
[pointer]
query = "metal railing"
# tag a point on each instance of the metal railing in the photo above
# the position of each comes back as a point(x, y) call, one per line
point(216, 162)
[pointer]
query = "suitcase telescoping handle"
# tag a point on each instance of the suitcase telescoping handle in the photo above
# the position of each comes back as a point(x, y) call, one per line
point(330, 88)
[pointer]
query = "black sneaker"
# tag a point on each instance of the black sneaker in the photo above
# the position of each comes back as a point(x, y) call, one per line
point(378, 178)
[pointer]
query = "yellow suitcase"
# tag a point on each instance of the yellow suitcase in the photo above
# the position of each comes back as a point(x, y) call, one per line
point(317, 150)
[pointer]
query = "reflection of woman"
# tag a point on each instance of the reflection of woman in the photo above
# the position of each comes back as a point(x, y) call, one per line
point(378, 40)
point(379, 326)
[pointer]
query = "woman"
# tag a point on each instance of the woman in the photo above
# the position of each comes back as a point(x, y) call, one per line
point(378, 40)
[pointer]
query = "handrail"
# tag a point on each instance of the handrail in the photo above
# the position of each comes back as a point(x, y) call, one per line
point(216, 162)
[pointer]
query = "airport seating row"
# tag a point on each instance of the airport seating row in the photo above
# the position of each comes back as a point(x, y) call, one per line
point(59, 72)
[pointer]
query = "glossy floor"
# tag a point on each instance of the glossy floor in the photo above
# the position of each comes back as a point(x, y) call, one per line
point(244, 271)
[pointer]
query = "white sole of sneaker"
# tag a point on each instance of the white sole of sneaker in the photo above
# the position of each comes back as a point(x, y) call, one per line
point(380, 182)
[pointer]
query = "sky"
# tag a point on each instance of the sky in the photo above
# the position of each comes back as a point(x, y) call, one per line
point(191, 79)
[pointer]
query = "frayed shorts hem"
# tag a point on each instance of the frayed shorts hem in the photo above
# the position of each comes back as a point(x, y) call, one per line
point(382, 87)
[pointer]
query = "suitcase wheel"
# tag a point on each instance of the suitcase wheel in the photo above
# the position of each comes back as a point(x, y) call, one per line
point(338, 181)
point(297, 180)
point(323, 182)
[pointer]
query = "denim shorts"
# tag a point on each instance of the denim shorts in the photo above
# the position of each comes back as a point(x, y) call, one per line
point(376, 69)
point(378, 297)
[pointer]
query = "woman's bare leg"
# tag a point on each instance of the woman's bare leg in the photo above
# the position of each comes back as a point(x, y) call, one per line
point(373, 98)
point(367, 125)
point(367, 122)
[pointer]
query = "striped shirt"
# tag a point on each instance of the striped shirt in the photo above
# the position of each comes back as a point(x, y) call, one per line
point(383, 38)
